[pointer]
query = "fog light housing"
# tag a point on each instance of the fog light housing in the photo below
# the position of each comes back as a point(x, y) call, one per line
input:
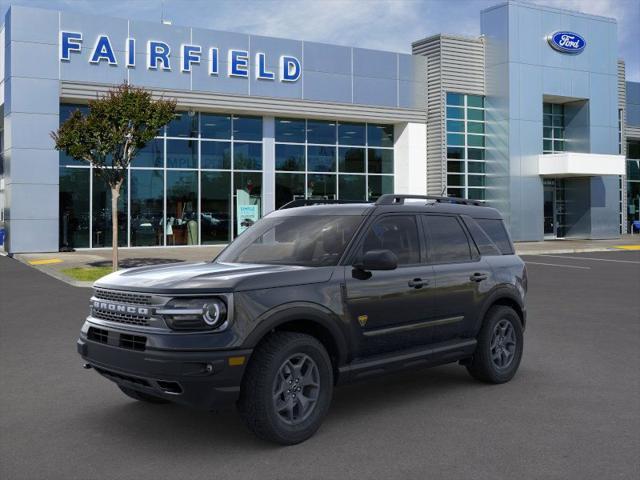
point(195, 313)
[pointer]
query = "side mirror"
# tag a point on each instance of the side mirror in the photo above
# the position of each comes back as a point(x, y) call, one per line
point(378, 260)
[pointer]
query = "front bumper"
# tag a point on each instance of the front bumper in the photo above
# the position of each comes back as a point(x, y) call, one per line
point(201, 379)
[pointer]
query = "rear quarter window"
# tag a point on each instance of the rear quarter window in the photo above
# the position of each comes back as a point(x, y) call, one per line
point(496, 231)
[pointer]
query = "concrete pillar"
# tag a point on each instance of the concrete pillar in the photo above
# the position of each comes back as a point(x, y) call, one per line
point(410, 158)
point(31, 111)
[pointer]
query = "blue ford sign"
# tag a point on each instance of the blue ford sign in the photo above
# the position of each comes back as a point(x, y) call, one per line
point(567, 42)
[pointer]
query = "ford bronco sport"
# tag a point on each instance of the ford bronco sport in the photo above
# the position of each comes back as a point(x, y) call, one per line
point(310, 297)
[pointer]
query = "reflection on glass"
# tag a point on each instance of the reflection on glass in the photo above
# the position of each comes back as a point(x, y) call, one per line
point(182, 197)
point(379, 185)
point(455, 180)
point(475, 101)
point(321, 159)
point(146, 198)
point(455, 152)
point(215, 155)
point(184, 124)
point(455, 139)
point(66, 109)
point(215, 126)
point(247, 128)
point(351, 160)
point(380, 135)
point(476, 194)
point(215, 207)
point(182, 153)
point(290, 130)
point(289, 186)
point(74, 207)
point(455, 126)
point(455, 98)
point(247, 156)
point(351, 133)
point(320, 131)
point(290, 157)
point(151, 155)
point(101, 226)
point(380, 161)
point(352, 187)
point(321, 187)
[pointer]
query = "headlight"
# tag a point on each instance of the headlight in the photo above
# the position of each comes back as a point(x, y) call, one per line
point(194, 313)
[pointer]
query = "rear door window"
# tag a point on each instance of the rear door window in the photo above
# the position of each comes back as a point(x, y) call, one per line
point(494, 228)
point(398, 233)
point(447, 240)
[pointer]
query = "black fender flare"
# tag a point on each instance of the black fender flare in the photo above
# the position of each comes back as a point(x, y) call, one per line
point(509, 293)
point(297, 311)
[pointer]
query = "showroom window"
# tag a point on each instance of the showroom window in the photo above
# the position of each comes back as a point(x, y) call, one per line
point(198, 182)
point(465, 130)
point(552, 128)
point(633, 182)
point(323, 159)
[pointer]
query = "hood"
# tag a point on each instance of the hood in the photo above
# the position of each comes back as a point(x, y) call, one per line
point(207, 276)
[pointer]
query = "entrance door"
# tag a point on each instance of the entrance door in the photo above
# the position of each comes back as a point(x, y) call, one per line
point(555, 208)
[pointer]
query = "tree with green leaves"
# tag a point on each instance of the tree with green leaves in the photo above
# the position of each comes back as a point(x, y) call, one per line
point(110, 135)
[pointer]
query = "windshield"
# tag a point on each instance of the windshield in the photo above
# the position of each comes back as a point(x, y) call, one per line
point(313, 241)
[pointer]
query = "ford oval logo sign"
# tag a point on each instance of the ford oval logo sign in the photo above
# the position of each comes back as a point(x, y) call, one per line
point(567, 42)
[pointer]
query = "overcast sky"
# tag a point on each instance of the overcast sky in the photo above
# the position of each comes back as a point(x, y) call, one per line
point(379, 24)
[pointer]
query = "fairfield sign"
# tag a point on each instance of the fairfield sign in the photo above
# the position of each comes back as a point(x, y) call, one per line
point(159, 56)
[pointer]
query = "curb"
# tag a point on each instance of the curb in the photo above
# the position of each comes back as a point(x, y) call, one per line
point(54, 274)
point(568, 250)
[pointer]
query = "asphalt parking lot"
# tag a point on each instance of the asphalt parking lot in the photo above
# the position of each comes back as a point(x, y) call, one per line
point(573, 410)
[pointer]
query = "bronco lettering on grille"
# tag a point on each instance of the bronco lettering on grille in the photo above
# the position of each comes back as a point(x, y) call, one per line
point(117, 308)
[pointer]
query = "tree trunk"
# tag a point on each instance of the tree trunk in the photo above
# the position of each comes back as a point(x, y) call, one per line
point(115, 193)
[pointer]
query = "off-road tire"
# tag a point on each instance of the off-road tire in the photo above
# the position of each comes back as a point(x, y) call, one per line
point(483, 366)
point(141, 396)
point(256, 403)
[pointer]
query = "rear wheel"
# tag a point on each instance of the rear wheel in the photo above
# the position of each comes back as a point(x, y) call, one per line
point(500, 344)
point(287, 388)
point(141, 396)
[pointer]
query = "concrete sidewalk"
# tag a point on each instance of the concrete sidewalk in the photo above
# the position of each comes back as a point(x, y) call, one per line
point(54, 263)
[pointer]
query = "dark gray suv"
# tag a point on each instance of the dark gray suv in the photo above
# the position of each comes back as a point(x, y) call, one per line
point(310, 297)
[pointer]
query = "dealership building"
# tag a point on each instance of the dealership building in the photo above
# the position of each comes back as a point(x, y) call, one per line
point(534, 117)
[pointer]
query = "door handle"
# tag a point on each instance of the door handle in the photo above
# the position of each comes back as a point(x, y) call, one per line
point(478, 277)
point(418, 283)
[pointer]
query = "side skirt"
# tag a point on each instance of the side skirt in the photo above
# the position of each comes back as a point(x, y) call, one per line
point(436, 354)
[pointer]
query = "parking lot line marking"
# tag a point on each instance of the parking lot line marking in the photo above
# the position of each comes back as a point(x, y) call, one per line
point(589, 258)
point(46, 261)
point(627, 247)
point(558, 265)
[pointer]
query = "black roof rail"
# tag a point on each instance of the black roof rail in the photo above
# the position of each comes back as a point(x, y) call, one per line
point(307, 202)
point(398, 199)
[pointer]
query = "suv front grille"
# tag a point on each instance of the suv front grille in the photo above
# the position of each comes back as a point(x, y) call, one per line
point(128, 318)
point(122, 297)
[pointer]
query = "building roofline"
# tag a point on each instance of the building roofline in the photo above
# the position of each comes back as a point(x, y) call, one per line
point(466, 38)
point(520, 3)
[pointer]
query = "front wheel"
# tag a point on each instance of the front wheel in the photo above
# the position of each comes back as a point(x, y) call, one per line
point(287, 388)
point(500, 345)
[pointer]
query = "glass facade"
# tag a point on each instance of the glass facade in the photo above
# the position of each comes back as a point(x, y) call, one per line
point(633, 182)
point(182, 188)
point(552, 128)
point(322, 159)
point(465, 130)
point(188, 185)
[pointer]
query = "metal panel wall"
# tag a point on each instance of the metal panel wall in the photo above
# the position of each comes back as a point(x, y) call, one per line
point(455, 64)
